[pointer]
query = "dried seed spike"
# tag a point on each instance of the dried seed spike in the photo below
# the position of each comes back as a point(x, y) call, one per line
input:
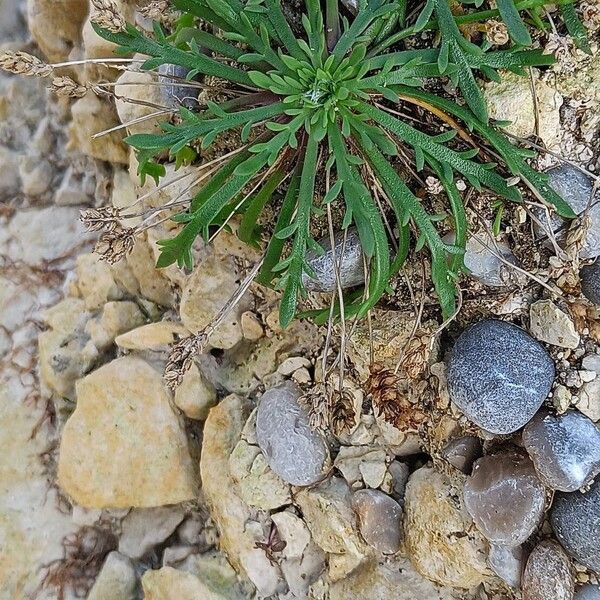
point(23, 63)
point(107, 16)
point(316, 401)
point(181, 356)
point(65, 86)
point(114, 245)
point(96, 219)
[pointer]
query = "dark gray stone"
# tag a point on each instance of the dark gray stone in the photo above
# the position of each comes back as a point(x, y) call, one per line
point(564, 449)
point(297, 453)
point(575, 518)
point(590, 281)
point(352, 268)
point(588, 592)
point(498, 375)
point(575, 188)
point(176, 93)
point(462, 452)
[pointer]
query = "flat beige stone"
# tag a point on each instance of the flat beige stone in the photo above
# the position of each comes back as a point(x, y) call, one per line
point(124, 446)
point(170, 584)
point(154, 336)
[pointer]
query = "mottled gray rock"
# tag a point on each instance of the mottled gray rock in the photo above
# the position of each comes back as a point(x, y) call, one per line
point(575, 518)
point(380, 520)
point(483, 258)
point(590, 282)
point(498, 375)
point(507, 563)
point(348, 255)
point(177, 92)
point(575, 188)
point(547, 575)
point(565, 449)
point(297, 453)
point(550, 324)
point(462, 452)
point(588, 592)
point(505, 498)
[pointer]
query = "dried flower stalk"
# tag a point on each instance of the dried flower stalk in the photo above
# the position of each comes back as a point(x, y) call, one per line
point(65, 86)
point(22, 63)
point(107, 16)
point(114, 245)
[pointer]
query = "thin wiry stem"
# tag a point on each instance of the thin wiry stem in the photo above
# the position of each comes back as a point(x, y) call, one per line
point(132, 122)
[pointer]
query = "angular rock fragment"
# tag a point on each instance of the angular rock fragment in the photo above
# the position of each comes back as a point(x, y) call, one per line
point(507, 562)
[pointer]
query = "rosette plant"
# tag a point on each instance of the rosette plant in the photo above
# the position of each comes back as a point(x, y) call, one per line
point(316, 108)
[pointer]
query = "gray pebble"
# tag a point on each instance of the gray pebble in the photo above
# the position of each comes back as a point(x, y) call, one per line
point(352, 269)
point(547, 574)
point(507, 563)
point(590, 282)
point(498, 375)
point(565, 449)
point(462, 452)
point(175, 93)
point(588, 592)
point(575, 518)
point(575, 188)
point(297, 453)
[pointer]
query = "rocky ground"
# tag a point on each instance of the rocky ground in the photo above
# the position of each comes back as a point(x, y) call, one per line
point(239, 485)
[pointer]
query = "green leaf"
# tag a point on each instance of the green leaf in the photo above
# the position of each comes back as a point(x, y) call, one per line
point(511, 17)
point(575, 27)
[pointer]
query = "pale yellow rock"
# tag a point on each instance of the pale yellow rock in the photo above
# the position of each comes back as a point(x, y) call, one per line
point(124, 446)
point(95, 281)
point(252, 328)
point(513, 100)
point(195, 395)
point(154, 336)
point(56, 25)
point(207, 290)
point(124, 196)
point(152, 284)
point(67, 315)
point(441, 540)
point(171, 584)
point(134, 85)
point(116, 318)
point(92, 115)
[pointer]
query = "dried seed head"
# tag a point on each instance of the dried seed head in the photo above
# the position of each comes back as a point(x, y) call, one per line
point(97, 219)
point(159, 10)
point(107, 16)
point(114, 245)
point(23, 63)
point(590, 15)
point(181, 357)
point(497, 32)
point(65, 86)
point(342, 413)
point(316, 401)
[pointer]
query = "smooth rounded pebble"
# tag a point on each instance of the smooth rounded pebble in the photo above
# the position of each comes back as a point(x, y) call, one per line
point(176, 92)
point(297, 453)
point(462, 452)
point(380, 520)
point(547, 574)
point(590, 281)
point(507, 563)
point(349, 256)
point(575, 188)
point(505, 498)
point(498, 375)
point(575, 518)
point(588, 592)
point(565, 450)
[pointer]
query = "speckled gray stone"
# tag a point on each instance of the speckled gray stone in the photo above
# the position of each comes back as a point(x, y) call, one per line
point(548, 574)
point(575, 518)
point(380, 520)
point(505, 498)
point(175, 93)
point(575, 188)
point(588, 592)
point(507, 563)
point(590, 282)
point(297, 453)
point(498, 375)
point(352, 268)
point(565, 450)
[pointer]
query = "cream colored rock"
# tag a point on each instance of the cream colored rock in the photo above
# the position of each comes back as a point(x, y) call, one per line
point(134, 85)
point(69, 314)
point(95, 281)
point(551, 325)
point(440, 538)
point(195, 396)
point(116, 318)
point(91, 115)
point(116, 581)
point(222, 432)
point(252, 328)
point(56, 25)
point(153, 336)
point(258, 485)
point(124, 196)
point(207, 290)
point(584, 82)
point(170, 584)
point(512, 100)
point(124, 446)
point(153, 285)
